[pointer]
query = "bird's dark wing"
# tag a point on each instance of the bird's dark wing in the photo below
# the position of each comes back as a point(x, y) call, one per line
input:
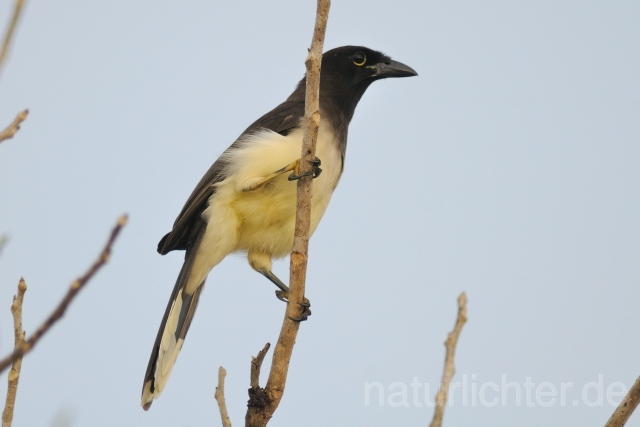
point(180, 236)
point(282, 119)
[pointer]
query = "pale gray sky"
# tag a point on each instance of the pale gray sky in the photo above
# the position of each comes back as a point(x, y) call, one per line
point(508, 169)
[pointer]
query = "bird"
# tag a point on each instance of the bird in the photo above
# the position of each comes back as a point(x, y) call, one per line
point(246, 201)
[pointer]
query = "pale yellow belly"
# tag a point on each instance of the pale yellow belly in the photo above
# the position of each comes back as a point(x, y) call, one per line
point(267, 216)
point(263, 219)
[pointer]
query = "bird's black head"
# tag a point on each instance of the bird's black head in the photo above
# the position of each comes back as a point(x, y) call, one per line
point(351, 66)
point(348, 71)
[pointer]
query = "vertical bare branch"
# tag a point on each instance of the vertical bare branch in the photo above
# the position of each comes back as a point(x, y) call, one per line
point(622, 413)
point(14, 126)
point(75, 287)
point(17, 8)
point(449, 366)
point(298, 266)
point(222, 405)
point(14, 373)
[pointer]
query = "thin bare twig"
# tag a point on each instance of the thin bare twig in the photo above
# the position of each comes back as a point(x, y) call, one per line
point(14, 126)
point(449, 366)
point(75, 287)
point(14, 373)
point(256, 365)
point(10, 30)
point(257, 417)
point(622, 413)
point(222, 405)
point(3, 242)
point(258, 399)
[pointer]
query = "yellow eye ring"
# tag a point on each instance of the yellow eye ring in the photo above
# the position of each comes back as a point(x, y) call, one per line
point(359, 58)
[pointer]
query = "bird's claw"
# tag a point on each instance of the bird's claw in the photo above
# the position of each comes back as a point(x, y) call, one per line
point(314, 172)
point(305, 304)
point(315, 167)
point(306, 312)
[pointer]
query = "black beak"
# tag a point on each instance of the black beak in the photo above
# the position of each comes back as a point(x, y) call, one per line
point(393, 69)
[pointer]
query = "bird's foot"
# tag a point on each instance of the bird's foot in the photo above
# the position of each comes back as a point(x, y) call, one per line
point(305, 304)
point(314, 172)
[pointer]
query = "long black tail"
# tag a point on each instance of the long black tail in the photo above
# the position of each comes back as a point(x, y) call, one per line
point(173, 328)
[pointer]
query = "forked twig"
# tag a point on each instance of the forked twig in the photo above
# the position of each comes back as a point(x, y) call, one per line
point(75, 287)
point(258, 415)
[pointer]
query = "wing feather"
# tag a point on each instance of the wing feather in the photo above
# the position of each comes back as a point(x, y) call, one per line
point(282, 119)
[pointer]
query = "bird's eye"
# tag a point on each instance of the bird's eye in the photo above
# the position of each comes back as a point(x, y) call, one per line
point(359, 58)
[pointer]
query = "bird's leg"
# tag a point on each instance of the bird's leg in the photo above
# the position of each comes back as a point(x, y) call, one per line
point(253, 183)
point(314, 172)
point(283, 295)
